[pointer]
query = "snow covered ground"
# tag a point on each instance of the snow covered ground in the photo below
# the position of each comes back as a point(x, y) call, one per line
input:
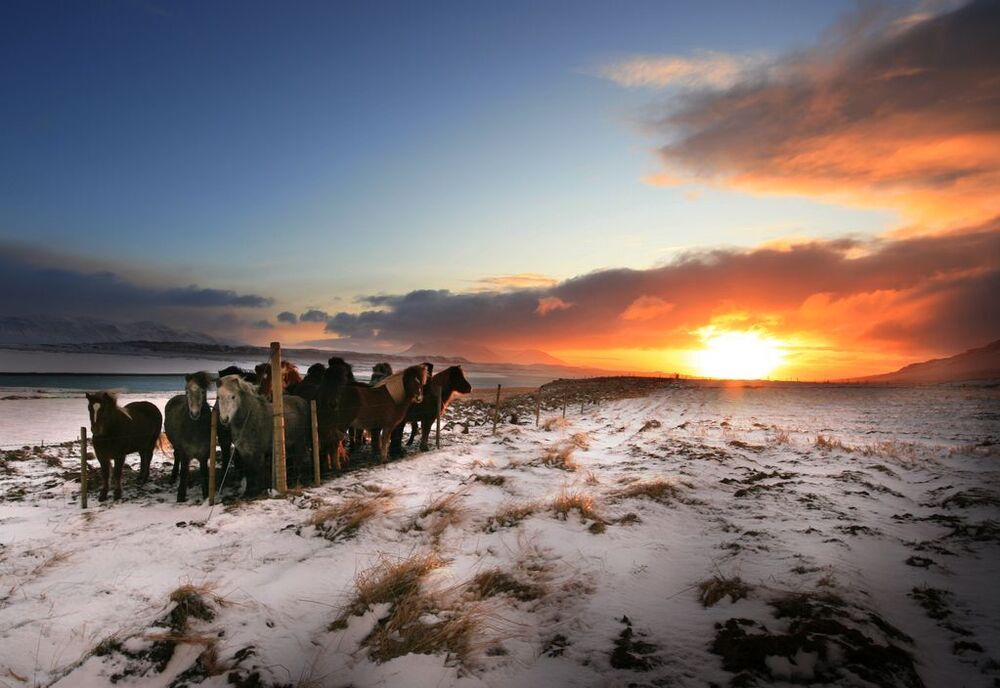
point(851, 535)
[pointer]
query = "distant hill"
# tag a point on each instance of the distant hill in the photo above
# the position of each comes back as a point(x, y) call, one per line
point(478, 353)
point(18, 331)
point(975, 364)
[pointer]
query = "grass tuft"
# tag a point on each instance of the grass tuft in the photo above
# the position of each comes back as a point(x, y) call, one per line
point(554, 423)
point(497, 582)
point(344, 519)
point(560, 456)
point(509, 515)
point(717, 587)
point(566, 502)
point(387, 582)
point(658, 489)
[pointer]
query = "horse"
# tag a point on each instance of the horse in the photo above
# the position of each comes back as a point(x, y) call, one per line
point(249, 418)
point(380, 371)
point(289, 376)
point(451, 382)
point(379, 408)
point(119, 431)
point(188, 424)
point(223, 434)
point(308, 388)
point(337, 375)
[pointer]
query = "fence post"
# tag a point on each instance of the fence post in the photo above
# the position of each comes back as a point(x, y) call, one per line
point(315, 438)
point(278, 407)
point(437, 421)
point(213, 440)
point(538, 406)
point(581, 406)
point(84, 468)
point(496, 411)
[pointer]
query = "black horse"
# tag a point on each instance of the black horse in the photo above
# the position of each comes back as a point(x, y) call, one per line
point(450, 382)
point(119, 431)
point(188, 424)
point(337, 375)
point(308, 387)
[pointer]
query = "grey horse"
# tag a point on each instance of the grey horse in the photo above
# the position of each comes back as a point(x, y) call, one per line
point(187, 422)
point(249, 418)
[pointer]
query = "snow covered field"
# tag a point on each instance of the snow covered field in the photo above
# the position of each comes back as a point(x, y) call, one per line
point(700, 535)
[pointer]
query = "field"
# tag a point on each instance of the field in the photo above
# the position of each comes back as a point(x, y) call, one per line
point(661, 534)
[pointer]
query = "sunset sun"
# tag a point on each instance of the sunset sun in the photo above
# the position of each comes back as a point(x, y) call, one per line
point(737, 356)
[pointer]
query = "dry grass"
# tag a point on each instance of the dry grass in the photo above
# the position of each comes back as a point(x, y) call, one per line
point(890, 449)
point(560, 456)
point(778, 437)
point(479, 463)
point(717, 587)
point(554, 423)
point(510, 514)
point(344, 519)
point(658, 489)
point(495, 582)
point(566, 502)
point(825, 443)
point(388, 581)
point(580, 440)
point(591, 478)
point(424, 623)
point(441, 513)
point(418, 621)
point(193, 601)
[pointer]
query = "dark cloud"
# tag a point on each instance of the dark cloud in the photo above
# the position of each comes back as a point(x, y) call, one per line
point(29, 287)
point(262, 325)
point(287, 317)
point(848, 289)
point(897, 111)
point(314, 315)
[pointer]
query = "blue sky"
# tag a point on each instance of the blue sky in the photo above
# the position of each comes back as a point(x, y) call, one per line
point(476, 134)
point(386, 163)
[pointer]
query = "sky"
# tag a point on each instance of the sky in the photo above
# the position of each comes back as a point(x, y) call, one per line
point(617, 184)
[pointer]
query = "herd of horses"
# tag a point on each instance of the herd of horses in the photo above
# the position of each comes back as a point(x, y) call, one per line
point(346, 410)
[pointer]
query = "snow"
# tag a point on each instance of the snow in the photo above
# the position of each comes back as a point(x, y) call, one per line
point(756, 498)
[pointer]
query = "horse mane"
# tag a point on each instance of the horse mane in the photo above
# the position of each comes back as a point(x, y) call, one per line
point(240, 384)
point(315, 371)
point(202, 377)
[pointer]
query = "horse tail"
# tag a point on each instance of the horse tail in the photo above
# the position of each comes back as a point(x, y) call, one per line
point(163, 444)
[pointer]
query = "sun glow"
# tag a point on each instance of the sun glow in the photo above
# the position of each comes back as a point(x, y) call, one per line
point(737, 355)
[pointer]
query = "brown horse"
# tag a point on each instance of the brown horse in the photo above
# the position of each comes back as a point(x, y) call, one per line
point(379, 408)
point(118, 431)
point(450, 382)
point(289, 376)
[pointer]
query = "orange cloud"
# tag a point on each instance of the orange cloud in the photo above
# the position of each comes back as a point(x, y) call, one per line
point(549, 304)
point(647, 308)
point(900, 115)
point(519, 280)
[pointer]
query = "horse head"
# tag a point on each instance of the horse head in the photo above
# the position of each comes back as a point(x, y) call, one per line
point(380, 371)
point(315, 372)
point(196, 391)
point(290, 374)
point(414, 380)
point(456, 377)
point(102, 407)
point(233, 390)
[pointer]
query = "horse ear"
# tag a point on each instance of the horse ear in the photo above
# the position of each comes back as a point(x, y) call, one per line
point(90, 396)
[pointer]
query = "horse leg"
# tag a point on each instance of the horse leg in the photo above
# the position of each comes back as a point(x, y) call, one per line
point(425, 432)
point(413, 433)
point(396, 443)
point(105, 474)
point(119, 465)
point(383, 435)
point(146, 459)
point(377, 443)
point(183, 462)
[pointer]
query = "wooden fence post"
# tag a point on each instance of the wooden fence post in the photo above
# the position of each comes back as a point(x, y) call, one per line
point(213, 440)
point(315, 440)
point(84, 468)
point(437, 421)
point(538, 406)
point(564, 408)
point(278, 407)
point(496, 411)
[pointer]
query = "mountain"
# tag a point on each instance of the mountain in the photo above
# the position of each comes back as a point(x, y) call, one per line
point(17, 331)
point(470, 351)
point(975, 364)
